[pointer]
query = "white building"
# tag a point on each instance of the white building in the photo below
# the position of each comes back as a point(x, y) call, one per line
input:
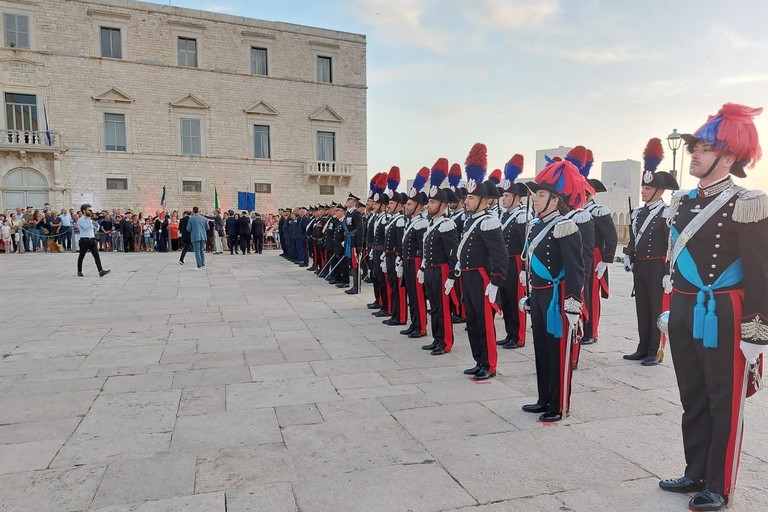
point(108, 101)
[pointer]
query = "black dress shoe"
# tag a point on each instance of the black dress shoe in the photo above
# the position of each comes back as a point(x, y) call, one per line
point(636, 356)
point(312, 269)
point(367, 280)
point(102, 273)
point(474, 370)
point(534, 408)
point(455, 319)
point(381, 313)
point(438, 351)
point(502, 342)
point(588, 341)
point(79, 274)
point(351, 291)
point(483, 374)
point(342, 285)
point(707, 500)
point(416, 334)
point(431, 346)
point(650, 361)
point(510, 344)
point(406, 332)
point(372, 305)
point(392, 321)
point(332, 281)
point(322, 275)
point(550, 417)
point(682, 485)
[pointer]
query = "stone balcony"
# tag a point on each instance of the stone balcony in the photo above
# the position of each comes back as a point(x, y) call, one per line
point(39, 141)
point(329, 169)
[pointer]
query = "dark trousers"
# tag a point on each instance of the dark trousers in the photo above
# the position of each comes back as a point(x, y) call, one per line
point(258, 243)
point(299, 247)
point(417, 303)
point(185, 247)
point(128, 243)
point(88, 245)
point(510, 294)
point(439, 305)
point(232, 244)
point(395, 291)
point(341, 274)
point(553, 356)
point(244, 243)
point(380, 281)
point(649, 294)
point(712, 390)
point(480, 329)
point(175, 244)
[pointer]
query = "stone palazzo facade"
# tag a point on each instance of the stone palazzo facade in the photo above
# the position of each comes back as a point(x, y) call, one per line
point(107, 102)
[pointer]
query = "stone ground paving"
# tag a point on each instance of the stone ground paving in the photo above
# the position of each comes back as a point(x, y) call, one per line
point(255, 386)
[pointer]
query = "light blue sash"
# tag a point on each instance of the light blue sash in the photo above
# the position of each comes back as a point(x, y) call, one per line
point(705, 318)
point(554, 315)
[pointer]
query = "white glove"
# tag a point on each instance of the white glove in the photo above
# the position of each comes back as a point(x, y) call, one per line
point(627, 263)
point(523, 277)
point(573, 318)
point(448, 286)
point(383, 266)
point(667, 283)
point(490, 292)
point(370, 255)
point(398, 261)
point(524, 304)
point(600, 269)
point(420, 276)
point(383, 256)
point(751, 351)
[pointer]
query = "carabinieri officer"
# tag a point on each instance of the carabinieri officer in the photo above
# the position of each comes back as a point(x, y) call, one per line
point(718, 315)
point(555, 265)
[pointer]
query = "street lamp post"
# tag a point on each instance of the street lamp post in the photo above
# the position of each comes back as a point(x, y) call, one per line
point(674, 140)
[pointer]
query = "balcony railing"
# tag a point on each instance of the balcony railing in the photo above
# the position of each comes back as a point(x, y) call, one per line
point(29, 140)
point(319, 168)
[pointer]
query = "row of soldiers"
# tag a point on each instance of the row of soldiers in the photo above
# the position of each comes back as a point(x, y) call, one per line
point(699, 272)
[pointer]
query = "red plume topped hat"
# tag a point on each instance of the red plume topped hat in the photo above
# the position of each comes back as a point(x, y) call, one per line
point(563, 179)
point(393, 178)
point(731, 131)
point(578, 157)
point(476, 166)
point(454, 176)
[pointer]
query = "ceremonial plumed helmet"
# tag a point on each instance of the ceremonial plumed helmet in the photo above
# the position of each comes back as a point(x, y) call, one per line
point(731, 132)
point(563, 179)
point(652, 157)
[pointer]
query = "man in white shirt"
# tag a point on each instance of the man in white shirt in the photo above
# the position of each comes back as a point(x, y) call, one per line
point(88, 241)
point(66, 230)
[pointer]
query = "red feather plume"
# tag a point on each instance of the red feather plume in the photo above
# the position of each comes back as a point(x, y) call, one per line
point(478, 155)
point(590, 157)
point(578, 156)
point(495, 176)
point(393, 178)
point(442, 166)
point(381, 182)
point(737, 131)
point(567, 180)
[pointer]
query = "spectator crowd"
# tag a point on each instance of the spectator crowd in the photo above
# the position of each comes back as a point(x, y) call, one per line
point(46, 230)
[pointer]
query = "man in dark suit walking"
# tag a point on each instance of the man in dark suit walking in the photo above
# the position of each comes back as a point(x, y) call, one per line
point(257, 231)
point(186, 237)
point(231, 231)
point(244, 232)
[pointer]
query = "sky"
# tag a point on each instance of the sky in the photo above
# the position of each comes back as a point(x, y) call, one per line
point(523, 75)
